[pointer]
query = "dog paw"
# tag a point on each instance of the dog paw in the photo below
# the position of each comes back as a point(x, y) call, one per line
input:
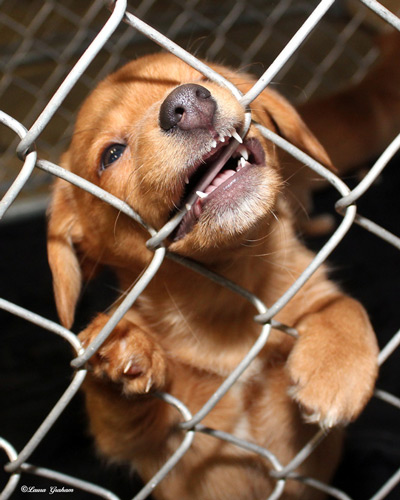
point(129, 357)
point(330, 389)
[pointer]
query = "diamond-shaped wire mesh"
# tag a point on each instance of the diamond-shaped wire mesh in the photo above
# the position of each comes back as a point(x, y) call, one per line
point(41, 41)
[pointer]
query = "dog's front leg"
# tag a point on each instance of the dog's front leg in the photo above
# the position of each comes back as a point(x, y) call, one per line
point(333, 365)
point(124, 416)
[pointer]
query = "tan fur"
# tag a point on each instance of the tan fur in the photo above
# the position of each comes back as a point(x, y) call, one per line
point(185, 333)
point(355, 125)
point(371, 108)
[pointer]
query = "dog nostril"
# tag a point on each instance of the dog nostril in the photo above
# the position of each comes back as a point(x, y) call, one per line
point(202, 92)
point(188, 107)
point(179, 112)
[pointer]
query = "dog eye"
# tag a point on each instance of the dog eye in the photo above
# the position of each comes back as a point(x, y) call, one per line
point(111, 155)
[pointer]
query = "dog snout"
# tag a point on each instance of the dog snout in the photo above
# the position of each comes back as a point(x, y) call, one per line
point(188, 107)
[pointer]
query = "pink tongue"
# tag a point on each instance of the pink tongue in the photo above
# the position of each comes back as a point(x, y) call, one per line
point(220, 179)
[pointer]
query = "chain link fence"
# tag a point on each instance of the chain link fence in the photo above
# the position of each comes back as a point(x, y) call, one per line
point(50, 62)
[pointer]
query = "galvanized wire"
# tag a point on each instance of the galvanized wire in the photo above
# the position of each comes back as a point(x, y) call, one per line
point(26, 170)
point(68, 480)
point(73, 76)
point(179, 453)
point(147, 275)
point(246, 445)
point(288, 51)
point(383, 12)
point(190, 424)
point(13, 481)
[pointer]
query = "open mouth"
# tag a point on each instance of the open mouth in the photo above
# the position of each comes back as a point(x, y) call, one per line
point(219, 176)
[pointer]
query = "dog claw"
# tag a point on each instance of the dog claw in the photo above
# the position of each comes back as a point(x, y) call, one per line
point(127, 366)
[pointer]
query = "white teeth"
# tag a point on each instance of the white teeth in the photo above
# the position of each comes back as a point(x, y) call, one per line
point(188, 207)
point(187, 180)
point(202, 195)
point(242, 162)
point(214, 144)
point(243, 152)
point(236, 136)
point(221, 138)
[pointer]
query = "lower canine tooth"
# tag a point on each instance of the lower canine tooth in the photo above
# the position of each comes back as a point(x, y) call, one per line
point(200, 194)
point(242, 162)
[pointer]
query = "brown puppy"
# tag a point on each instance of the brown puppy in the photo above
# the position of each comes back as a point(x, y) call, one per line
point(148, 135)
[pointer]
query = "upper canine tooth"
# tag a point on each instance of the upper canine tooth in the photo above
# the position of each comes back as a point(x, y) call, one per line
point(200, 194)
point(243, 151)
point(187, 180)
point(236, 136)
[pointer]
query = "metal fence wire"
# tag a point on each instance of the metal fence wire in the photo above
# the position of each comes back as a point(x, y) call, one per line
point(46, 106)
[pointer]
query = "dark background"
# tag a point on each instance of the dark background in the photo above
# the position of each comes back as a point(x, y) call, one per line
point(34, 364)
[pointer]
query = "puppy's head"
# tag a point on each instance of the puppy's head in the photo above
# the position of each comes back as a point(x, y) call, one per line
point(153, 134)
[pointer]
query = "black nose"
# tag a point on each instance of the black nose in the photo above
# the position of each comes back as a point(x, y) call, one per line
point(189, 107)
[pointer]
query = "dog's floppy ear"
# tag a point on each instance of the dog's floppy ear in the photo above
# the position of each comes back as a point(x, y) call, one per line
point(275, 112)
point(289, 125)
point(64, 230)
